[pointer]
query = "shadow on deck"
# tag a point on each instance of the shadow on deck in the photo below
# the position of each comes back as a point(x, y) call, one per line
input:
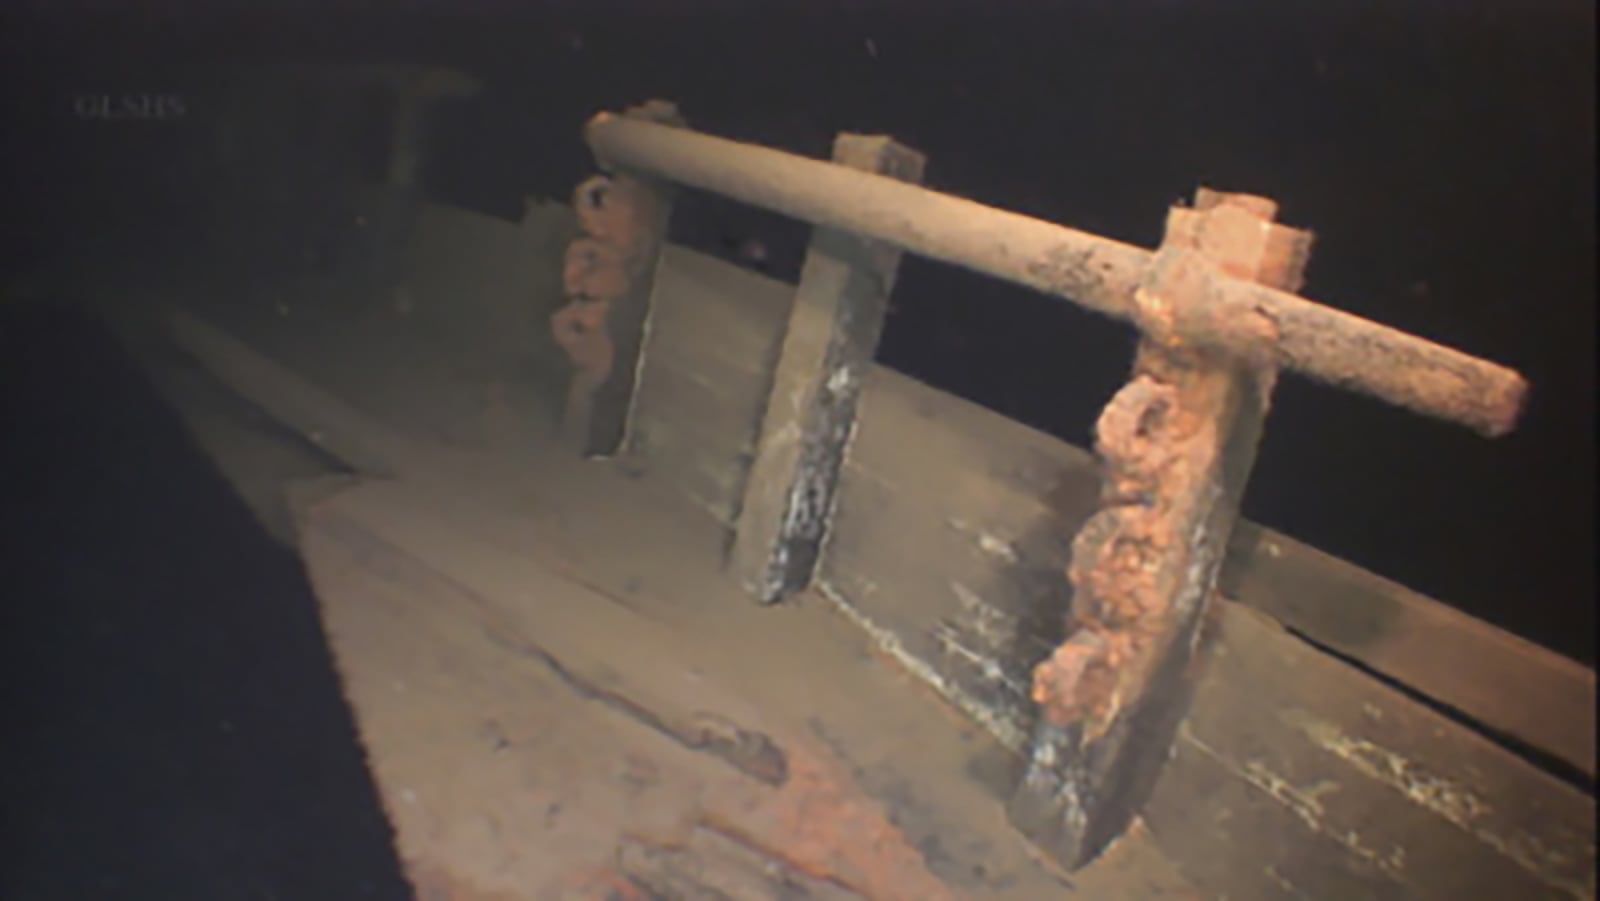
point(176, 726)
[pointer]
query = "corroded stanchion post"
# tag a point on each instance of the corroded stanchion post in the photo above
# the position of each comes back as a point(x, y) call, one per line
point(607, 279)
point(1177, 443)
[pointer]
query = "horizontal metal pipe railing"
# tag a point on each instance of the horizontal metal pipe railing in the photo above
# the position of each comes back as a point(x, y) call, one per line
point(1100, 274)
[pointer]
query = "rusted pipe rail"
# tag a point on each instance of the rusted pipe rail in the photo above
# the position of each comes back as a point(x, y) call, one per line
point(1323, 343)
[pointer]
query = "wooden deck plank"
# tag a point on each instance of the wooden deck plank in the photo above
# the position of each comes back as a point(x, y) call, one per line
point(515, 762)
point(472, 748)
point(697, 434)
point(698, 413)
point(644, 617)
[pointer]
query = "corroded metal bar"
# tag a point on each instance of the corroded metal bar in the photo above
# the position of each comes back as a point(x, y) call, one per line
point(1323, 343)
point(1178, 443)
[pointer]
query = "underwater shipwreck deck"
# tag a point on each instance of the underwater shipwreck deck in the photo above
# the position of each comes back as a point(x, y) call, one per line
point(563, 693)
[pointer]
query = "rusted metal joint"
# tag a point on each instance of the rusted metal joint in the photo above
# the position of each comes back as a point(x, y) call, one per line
point(1182, 305)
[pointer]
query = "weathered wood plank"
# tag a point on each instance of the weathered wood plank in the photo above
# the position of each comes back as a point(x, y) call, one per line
point(708, 475)
point(831, 338)
point(1336, 786)
point(654, 623)
point(649, 743)
point(706, 306)
point(712, 360)
point(716, 867)
point(337, 428)
point(484, 283)
point(456, 726)
point(956, 548)
point(698, 412)
point(1513, 686)
point(714, 387)
point(980, 617)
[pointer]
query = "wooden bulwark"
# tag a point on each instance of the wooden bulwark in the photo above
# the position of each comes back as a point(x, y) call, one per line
point(1020, 493)
point(1530, 694)
point(715, 333)
point(951, 532)
point(949, 545)
point(1296, 776)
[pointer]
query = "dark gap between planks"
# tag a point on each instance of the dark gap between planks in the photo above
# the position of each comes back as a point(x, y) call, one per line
point(1544, 761)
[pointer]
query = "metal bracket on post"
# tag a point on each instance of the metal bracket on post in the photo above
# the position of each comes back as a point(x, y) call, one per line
point(1177, 444)
point(607, 278)
point(833, 332)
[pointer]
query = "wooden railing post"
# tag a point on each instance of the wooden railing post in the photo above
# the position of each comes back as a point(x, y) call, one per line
point(833, 332)
point(1177, 443)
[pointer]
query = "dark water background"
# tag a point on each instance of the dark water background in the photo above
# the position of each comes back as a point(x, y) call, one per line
point(1442, 152)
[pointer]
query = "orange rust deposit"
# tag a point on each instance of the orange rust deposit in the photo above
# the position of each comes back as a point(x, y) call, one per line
point(593, 270)
point(434, 884)
point(610, 210)
point(822, 823)
point(579, 329)
point(604, 885)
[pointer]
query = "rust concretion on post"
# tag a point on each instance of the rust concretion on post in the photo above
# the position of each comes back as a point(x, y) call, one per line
point(1177, 444)
point(607, 277)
